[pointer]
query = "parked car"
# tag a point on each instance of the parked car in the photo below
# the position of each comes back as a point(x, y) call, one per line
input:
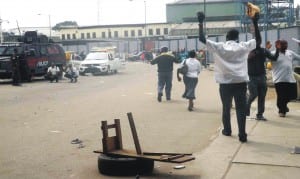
point(100, 63)
point(141, 56)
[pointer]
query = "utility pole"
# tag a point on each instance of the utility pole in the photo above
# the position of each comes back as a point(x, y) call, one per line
point(1, 34)
point(50, 28)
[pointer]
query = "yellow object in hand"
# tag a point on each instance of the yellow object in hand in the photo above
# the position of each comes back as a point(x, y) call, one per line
point(252, 9)
point(269, 65)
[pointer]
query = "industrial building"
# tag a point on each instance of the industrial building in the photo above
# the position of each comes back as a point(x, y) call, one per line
point(222, 15)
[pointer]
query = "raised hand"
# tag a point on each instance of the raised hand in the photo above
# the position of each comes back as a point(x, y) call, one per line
point(201, 17)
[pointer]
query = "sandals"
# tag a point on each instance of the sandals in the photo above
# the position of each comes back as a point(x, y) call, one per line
point(76, 141)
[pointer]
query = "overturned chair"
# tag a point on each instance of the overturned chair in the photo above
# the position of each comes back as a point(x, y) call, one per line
point(114, 160)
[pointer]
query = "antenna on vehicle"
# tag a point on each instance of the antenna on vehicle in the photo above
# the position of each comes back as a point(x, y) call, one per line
point(18, 27)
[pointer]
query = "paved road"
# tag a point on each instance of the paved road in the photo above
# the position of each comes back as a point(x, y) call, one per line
point(39, 120)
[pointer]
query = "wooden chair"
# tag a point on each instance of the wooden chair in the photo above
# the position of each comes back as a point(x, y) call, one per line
point(113, 145)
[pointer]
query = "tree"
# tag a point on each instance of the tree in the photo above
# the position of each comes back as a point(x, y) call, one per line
point(58, 26)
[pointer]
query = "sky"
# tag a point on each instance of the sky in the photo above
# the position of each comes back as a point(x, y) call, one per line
point(84, 12)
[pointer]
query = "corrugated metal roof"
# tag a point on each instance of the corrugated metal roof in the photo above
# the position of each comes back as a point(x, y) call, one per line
point(215, 24)
point(199, 1)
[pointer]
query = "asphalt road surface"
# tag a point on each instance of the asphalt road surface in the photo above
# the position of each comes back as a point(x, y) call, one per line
point(39, 120)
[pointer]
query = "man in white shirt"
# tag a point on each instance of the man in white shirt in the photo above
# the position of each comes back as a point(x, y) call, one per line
point(231, 73)
point(53, 73)
point(72, 73)
point(283, 77)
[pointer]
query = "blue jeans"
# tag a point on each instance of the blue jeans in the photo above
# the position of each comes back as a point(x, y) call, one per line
point(257, 87)
point(238, 92)
point(165, 81)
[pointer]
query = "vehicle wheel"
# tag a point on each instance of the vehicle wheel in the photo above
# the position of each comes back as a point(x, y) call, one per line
point(29, 77)
point(122, 166)
point(26, 74)
point(81, 73)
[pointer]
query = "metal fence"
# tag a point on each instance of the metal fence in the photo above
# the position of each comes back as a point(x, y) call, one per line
point(130, 46)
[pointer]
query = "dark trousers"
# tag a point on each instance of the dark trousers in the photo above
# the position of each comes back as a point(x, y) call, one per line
point(71, 76)
point(165, 81)
point(190, 86)
point(238, 92)
point(285, 92)
point(257, 87)
point(16, 77)
point(53, 77)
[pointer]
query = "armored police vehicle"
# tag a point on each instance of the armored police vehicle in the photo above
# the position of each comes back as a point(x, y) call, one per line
point(35, 53)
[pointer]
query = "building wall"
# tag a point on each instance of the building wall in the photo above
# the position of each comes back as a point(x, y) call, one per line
point(217, 10)
point(102, 32)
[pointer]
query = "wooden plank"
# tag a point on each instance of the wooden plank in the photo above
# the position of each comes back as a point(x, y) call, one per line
point(129, 153)
point(118, 133)
point(104, 135)
point(111, 126)
point(172, 157)
point(134, 134)
point(112, 143)
point(165, 153)
point(182, 159)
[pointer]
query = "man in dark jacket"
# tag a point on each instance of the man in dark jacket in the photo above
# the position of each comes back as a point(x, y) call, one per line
point(15, 62)
point(257, 84)
point(165, 72)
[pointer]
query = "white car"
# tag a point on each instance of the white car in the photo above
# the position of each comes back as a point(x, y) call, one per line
point(100, 63)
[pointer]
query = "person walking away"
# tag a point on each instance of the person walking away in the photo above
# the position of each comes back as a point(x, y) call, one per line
point(283, 78)
point(190, 79)
point(71, 73)
point(202, 57)
point(15, 62)
point(53, 73)
point(165, 72)
point(231, 73)
point(257, 86)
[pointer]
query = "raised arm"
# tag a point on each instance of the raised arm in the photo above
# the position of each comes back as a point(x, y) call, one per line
point(256, 30)
point(296, 56)
point(201, 18)
point(270, 56)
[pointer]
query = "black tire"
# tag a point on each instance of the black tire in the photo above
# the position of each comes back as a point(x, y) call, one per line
point(29, 76)
point(122, 166)
point(81, 73)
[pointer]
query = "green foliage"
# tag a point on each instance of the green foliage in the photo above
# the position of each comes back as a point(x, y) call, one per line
point(58, 26)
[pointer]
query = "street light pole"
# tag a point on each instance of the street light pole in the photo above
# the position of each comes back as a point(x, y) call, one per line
point(49, 19)
point(145, 18)
point(1, 35)
point(144, 48)
point(145, 24)
point(50, 26)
